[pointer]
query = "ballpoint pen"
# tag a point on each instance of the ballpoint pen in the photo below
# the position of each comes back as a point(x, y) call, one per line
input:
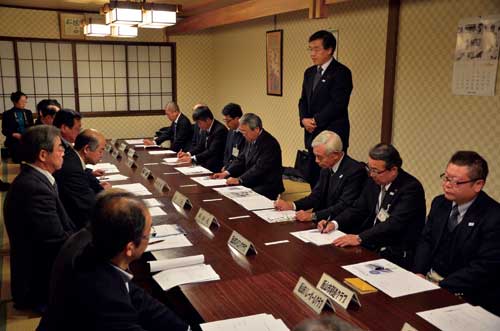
point(326, 224)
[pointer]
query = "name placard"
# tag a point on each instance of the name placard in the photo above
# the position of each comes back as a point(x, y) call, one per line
point(336, 291)
point(181, 200)
point(122, 147)
point(108, 148)
point(160, 185)
point(116, 154)
point(205, 219)
point(113, 142)
point(146, 173)
point(241, 244)
point(408, 327)
point(131, 163)
point(131, 152)
point(311, 296)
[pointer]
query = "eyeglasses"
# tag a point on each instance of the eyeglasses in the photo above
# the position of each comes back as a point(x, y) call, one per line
point(374, 171)
point(315, 49)
point(227, 120)
point(454, 182)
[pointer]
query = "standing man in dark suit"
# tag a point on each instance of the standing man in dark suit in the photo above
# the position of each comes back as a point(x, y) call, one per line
point(259, 165)
point(36, 221)
point(340, 182)
point(180, 133)
point(92, 288)
point(390, 212)
point(326, 90)
point(235, 141)
point(209, 151)
point(76, 193)
point(460, 246)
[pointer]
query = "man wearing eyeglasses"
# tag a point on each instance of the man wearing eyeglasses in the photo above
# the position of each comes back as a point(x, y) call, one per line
point(388, 215)
point(460, 245)
point(326, 90)
point(234, 142)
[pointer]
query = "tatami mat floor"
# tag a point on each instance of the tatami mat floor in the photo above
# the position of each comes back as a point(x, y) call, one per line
point(15, 320)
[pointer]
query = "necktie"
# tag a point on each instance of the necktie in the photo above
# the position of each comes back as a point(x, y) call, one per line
point(174, 129)
point(453, 219)
point(317, 77)
point(381, 197)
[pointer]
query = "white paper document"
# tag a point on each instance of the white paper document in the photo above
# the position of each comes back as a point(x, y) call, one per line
point(107, 167)
point(196, 170)
point(462, 317)
point(165, 264)
point(173, 161)
point(276, 216)
point(134, 141)
point(261, 322)
point(314, 236)
point(152, 202)
point(113, 178)
point(390, 278)
point(208, 182)
point(256, 202)
point(165, 230)
point(232, 192)
point(136, 189)
point(162, 152)
point(185, 275)
point(157, 211)
point(179, 240)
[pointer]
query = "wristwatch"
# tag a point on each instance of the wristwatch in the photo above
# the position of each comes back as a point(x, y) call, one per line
point(314, 217)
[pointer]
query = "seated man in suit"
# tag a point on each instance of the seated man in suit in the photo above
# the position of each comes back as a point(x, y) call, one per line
point(209, 149)
point(90, 147)
point(390, 212)
point(460, 246)
point(340, 182)
point(46, 110)
point(91, 286)
point(77, 195)
point(180, 133)
point(259, 165)
point(235, 141)
point(36, 221)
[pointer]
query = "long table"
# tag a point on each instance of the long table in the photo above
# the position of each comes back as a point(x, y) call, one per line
point(261, 283)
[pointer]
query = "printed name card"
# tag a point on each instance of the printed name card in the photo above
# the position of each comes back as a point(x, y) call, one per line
point(131, 152)
point(408, 327)
point(311, 296)
point(146, 173)
point(108, 148)
point(206, 219)
point(241, 244)
point(122, 147)
point(116, 154)
point(131, 163)
point(336, 291)
point(181, 200)
point(160, 185)
point(113, 142)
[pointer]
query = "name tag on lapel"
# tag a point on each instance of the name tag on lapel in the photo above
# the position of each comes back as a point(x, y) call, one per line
point(383, 215)
point(471, 224)
point(236, 151)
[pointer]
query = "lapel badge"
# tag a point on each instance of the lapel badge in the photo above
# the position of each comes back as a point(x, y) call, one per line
point(341, 175)
point(471, 224)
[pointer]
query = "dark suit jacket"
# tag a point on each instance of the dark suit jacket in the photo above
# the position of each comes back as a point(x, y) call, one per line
point(180, 135)
point(10, 126)
point(405, 203)
point(37, 225)
point(90, 294)
point(235, 140)
point(328, 103)
point(209, 150)
point(77, 195)
point(94, 183)
point(262, 170)
point(475, 257)
point(334, 193)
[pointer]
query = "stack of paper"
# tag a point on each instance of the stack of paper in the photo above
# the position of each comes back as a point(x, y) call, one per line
point(107, 167)
point(246, 197)
point(162, 152)
point(196, 170)
point(134, 141)
point(152, 202)
point(168, 242)
point(276, 216)
point(462, 317)
point(157, 211)
point(185, 275)
point(113, 178)
point(390, 278)
point(261, 322)
point(136, 188)
point(233, 192)
point(165, 230)
point(165, 264)
point(315, 236)
point(208, 182)
point(172, 161)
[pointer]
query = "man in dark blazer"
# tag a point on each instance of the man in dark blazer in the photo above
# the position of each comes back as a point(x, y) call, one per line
point(389, 213)
point(209, 149)
point(75, 190)
point(340, 183)
point(180, 133)
point(259, 165)
point(326, 90)
point(235, 142)
point(91, 287)
point(36, 222)
point(460, 246)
